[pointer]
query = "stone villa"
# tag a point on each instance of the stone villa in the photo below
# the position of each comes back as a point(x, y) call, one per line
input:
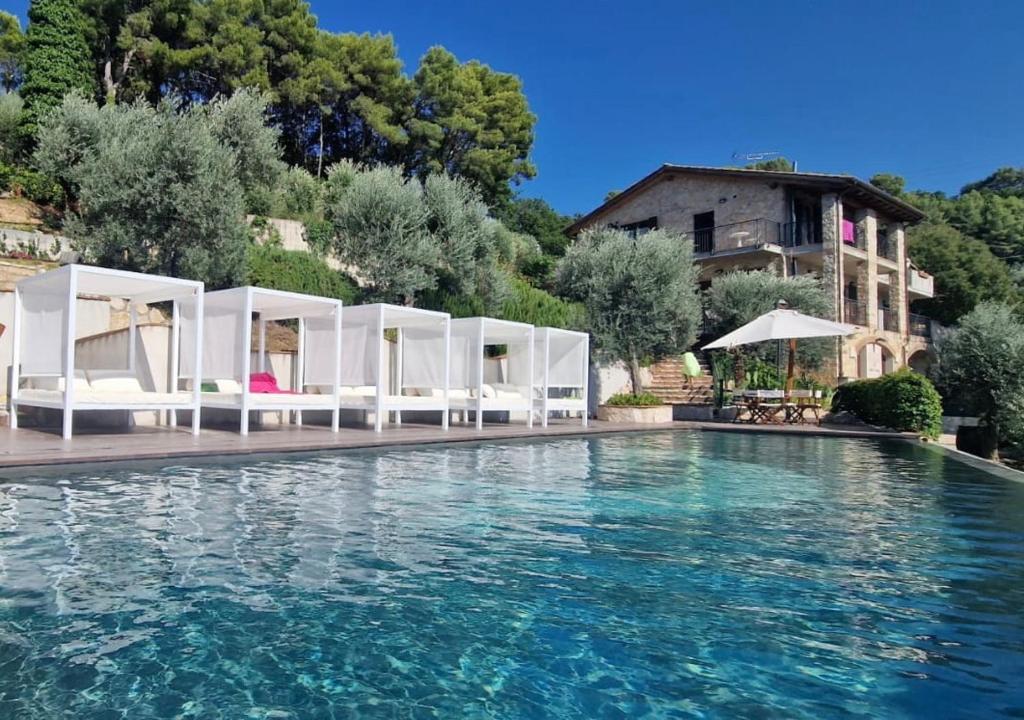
point(837, 227)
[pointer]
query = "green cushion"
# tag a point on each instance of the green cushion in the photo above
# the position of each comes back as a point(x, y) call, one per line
point(208, 387)
point(691, 367)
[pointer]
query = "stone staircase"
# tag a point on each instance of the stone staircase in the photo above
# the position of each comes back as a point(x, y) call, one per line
point(669, 383)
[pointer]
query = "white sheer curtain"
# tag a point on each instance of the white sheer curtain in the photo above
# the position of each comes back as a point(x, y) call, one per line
point(565, 355)
point(359, 355)
point(320, 351)
point(223, 340)
point(187, 338)
point(565, 361)
point(423, 363)
point(464, 361)
point(518, 365)
point(44, 305)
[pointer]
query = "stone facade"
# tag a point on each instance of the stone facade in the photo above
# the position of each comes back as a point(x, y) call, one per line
point(675, 200)
point(881, 306)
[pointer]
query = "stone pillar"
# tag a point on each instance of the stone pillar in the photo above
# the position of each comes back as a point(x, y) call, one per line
point(898, 298)
point(832, 266)
point(867, 221)
point(832, 251)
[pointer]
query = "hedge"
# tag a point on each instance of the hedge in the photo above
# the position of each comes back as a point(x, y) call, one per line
point(532, 305)
point(273, 267)
point(644, 399)
point(903, 400)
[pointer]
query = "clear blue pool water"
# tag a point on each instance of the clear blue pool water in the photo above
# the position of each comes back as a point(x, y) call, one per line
point(665, 575)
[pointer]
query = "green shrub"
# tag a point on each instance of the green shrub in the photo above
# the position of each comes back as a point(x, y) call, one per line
point(273, 267)
point(28, 183)
point(903, 400)
point(532, 305)
point(645, 399)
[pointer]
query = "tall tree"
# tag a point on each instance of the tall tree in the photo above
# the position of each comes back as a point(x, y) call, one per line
point(471, 121)
point(11, 138)
point(640, 294)
point(535, 217)
point(892, 184)
point(965, 270)
point(779, 164)
point(348, 101)
point(12, 44)
point(996, 219)
point(129, 39)
point(57, 58)
point(1006, 181)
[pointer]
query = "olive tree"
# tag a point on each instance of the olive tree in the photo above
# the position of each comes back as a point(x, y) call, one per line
point(979, 371)
point(152, 190)
point(736, 298)
point(406, 240)
point(640, 294)
point(379, 222)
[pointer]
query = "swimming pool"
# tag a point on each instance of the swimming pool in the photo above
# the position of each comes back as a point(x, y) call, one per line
point(669, 574)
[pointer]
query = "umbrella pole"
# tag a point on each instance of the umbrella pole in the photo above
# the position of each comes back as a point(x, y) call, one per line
point(792, 366)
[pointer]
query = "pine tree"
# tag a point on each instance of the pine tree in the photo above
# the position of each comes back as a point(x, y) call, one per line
point(57, 59)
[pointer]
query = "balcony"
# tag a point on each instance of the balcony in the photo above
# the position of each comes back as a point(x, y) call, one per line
point(735, 237)
point(855, 313)
point(801, 234)
point(920, 326)
point(919, 283)
point(887, 320)
point(887, 248)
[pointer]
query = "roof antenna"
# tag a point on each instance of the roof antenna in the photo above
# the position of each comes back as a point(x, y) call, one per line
point(755, 157)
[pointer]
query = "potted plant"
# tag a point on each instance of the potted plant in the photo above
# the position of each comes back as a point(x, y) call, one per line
point(643, 408)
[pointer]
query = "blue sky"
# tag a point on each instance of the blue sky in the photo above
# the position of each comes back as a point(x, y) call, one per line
point(931, 90)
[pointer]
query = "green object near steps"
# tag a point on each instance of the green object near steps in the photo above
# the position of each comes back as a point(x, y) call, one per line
point(691, 368)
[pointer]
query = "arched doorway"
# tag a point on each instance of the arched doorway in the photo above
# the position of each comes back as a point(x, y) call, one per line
point(873, 360)
point(920, 362)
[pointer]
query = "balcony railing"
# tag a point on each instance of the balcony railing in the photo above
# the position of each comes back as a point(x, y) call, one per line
point(887, 248)
point(920, 326)
point(799, 234)
point(920, 283)
point(887, 320)
point(735, 236)
point(854, 313)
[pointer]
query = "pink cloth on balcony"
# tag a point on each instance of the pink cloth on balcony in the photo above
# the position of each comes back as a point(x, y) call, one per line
point(849, 232)
point(266, 383)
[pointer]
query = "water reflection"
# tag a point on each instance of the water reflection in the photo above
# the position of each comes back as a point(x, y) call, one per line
point(662, 574)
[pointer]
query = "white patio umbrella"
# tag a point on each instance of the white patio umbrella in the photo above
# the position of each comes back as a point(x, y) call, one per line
point(782, 324)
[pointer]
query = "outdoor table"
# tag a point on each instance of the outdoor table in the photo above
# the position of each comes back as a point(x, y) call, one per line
point(764, 412)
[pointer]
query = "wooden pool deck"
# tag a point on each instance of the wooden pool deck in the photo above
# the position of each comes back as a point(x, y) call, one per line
point(27, 448)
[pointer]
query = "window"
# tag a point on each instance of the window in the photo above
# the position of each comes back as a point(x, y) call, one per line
point(641, 227)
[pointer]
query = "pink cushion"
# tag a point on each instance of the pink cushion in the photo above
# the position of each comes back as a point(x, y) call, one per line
point(265, 383)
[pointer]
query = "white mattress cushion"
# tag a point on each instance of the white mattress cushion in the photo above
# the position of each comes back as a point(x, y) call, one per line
point(79, 382)
point(119, 381)
point(228, 385)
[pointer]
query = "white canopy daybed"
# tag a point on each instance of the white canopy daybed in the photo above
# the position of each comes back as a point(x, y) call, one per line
point(561, 370)
point(467, 389)
point(44, 336)
point(229, 380)
point(419, 380)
